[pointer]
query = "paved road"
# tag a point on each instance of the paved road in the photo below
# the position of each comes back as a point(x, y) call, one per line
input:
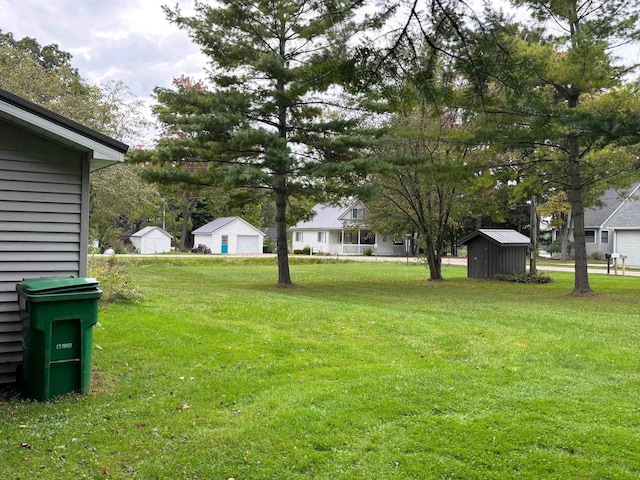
point(445, 261)
point(463, 261)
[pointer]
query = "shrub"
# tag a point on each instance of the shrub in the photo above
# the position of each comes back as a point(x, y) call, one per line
point(556, 247)
point(115, 284)
point(597, 256)
point(368, 252)
point(304, 251)
point(201, 249)
point(523, 277)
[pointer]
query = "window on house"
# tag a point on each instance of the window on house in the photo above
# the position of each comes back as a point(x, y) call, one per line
point(322, 237)
point(348, 237)
point(590, 236)
point(298, 236)
point(604, 236)
point(367, 237)
point(357, 213)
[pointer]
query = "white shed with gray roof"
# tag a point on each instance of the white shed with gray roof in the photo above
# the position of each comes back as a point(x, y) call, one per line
point(151, 240)
point(45, 161)
point(229, 235)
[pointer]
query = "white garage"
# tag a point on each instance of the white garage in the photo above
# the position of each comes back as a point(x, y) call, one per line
point(229, 235)
point(627, 242)
point(249, 243)
point(151, 240)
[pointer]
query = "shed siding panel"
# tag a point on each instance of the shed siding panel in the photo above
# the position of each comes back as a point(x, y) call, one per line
point(41, 185)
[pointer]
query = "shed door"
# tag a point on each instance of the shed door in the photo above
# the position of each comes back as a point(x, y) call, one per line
point(248, 244)
point(477, 260)
point(224, 244)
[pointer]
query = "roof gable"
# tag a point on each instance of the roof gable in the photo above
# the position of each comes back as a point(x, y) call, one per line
point(104, 150)
point(149, 229)
point(505, 237)
point(221, 222)
point(627, 211)
point(330, 217)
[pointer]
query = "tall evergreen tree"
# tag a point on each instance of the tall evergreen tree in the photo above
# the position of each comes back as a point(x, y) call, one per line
point(270, 119)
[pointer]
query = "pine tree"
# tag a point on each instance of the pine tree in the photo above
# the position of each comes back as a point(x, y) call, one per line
point(270, 118)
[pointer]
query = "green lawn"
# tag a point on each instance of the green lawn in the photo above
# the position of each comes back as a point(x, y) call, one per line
point(362, 371)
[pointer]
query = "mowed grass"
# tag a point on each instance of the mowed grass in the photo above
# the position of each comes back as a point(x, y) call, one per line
point(362, 371)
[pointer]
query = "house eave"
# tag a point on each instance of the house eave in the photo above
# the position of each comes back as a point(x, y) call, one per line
point(103, 150)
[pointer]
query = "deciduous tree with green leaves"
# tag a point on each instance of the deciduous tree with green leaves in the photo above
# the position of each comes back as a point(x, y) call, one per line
point(551, 83)
point(426, 180)
point(272, 118)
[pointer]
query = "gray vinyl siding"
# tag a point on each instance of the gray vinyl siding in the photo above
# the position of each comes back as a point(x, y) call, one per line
point(42, 187)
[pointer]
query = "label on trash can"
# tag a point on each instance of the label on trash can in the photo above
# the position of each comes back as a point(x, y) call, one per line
point(65, 340)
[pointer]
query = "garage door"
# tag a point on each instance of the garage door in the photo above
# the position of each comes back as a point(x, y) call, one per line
point(249, 244)
point(628, 242)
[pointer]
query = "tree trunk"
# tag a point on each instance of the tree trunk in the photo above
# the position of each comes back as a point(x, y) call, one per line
point(186, 215)
point(435, 265)
point(581, 282)
point(564, 244)
point(284, 276)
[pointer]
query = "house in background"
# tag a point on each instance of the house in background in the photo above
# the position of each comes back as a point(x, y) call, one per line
point(495, 251)
point(229, 235)
point(45, 161)
point(614, 226)
point(341, 230)
point(151, 240)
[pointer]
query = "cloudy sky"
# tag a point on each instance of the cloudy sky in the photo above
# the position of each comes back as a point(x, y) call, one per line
point(128, 40)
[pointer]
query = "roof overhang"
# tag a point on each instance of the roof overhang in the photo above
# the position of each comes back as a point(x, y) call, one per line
point(102, 149)
point(502, 237)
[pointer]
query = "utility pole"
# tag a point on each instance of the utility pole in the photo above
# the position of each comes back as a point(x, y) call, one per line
point(533, 229)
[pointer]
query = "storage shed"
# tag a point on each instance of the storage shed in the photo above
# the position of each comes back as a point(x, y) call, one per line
point(229, 235)
point(494, 251)
point(45, 161)
point(151, 240)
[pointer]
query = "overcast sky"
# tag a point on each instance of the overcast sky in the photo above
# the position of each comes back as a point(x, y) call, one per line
point(128, 40)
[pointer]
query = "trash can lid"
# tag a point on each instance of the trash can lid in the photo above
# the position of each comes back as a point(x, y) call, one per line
point(53, 285)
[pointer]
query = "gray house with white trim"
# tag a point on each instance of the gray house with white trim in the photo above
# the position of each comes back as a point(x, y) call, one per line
point(613, 226)
point(45, 161)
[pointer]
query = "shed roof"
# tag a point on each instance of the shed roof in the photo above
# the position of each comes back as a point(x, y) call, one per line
point(499, 236)
point(25, 114)
point(146, 230)
point(218, 223)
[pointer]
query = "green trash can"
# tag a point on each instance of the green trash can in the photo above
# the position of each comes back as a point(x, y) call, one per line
point(57, 316)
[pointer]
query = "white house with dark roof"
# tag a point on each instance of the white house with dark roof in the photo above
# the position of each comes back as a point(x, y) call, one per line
point(229, 235)
point(341, 230)
point(45, 161)
point(151, 240)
